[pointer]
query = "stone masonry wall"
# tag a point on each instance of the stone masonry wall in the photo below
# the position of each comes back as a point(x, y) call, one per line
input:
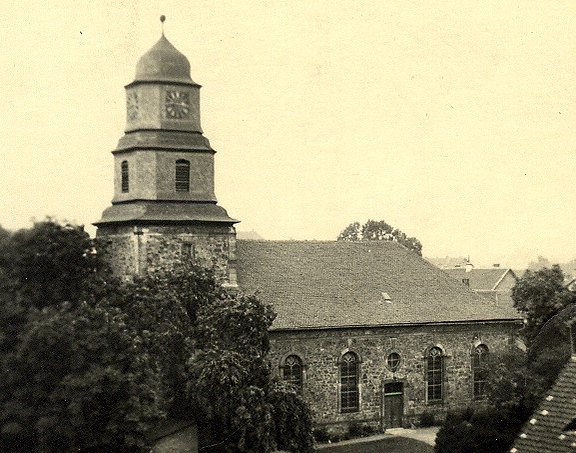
point(320, 351)
point(135, 250)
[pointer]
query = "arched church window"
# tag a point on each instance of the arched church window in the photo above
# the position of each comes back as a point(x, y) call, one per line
point(349, 390)
point(125, 176)
point(480, 369)
point(435, 375)
point(292, 371)
point(182, 175)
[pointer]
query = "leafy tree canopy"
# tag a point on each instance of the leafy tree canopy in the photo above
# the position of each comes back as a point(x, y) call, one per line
point(374, 230)
point(50, 263)
point(540, 295)
point(88, 364)
point(230, 383)
point(78, 381)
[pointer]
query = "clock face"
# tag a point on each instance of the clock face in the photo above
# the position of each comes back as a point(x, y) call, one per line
point(177, 104)
point(132, 105)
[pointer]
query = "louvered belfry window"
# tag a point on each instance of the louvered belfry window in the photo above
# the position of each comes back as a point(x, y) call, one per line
point(182, 175)
point(349, 392)
point(125, 176)
point(435, 374)
point(292, 371)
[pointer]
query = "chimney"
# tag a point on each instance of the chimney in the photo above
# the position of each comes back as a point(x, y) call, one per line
point(496, 265)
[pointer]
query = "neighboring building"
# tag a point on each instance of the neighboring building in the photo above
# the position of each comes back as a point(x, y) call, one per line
point(448, 262)
point(552, 427)
point(249, 235)
point(370, 331)
point(494, 282)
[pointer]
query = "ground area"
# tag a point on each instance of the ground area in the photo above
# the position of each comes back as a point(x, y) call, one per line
point(397, 440)
point(390, 444)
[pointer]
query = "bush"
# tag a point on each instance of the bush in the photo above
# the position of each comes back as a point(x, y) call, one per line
point(325, 436)
point(427, 419)
point(357, 429)
point(321, 435)
point(490, 430)
point(291, 419)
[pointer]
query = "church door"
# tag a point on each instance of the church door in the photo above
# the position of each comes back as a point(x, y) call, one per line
point(393, 404)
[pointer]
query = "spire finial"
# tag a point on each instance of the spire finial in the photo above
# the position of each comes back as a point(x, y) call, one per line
point(162, 19)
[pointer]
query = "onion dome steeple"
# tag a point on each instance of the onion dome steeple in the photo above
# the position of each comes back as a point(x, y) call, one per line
point(163, 63)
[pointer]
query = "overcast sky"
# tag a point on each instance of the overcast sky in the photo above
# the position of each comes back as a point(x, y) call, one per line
point(453, 121)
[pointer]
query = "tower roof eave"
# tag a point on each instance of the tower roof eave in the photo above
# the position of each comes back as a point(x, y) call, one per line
point(159, 212)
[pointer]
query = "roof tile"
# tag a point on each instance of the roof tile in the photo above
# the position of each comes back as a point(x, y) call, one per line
point(555, 412)
point(341, 284)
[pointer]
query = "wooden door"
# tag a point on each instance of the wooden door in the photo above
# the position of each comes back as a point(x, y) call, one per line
point(393, 404)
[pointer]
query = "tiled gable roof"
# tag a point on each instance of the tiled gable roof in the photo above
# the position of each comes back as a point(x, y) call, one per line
point(342, 284)
point(544, 432)
point(480, 279)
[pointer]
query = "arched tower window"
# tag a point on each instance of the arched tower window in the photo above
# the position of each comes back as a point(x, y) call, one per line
point(480, 369)
point(182, 175)
point(349, 390)
point(125, 176)
point(292, 371)
point(435, 375)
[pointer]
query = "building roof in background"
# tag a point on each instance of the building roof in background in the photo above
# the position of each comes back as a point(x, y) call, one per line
point(354, 284)
point(480, 279)
point(248, 235)
point(552, 428)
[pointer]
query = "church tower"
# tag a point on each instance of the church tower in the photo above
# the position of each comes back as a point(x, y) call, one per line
point(164, 208)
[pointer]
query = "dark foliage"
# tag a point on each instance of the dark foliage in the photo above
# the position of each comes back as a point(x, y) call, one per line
point(540, 295)
point(490, 430)
point(90, 365)
point(161, 309)
point(78, 380)
point(427, 419)
point(229, 375)
point(291, 419)
point(357, 429)
point(51, 263)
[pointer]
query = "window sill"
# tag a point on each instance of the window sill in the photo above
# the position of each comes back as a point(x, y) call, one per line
point(349, 411)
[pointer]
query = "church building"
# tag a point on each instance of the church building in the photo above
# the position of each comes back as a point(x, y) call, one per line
point(368, 331)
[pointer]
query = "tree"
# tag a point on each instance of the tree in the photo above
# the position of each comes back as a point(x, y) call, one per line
point(291, 419)
point(518, 382)
point(162, 308)
point(50, 263)
point(231, 385)
point(78, 381)
point(539, 295)
point(374, 230)
point(93, 366)
point(72, 375)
